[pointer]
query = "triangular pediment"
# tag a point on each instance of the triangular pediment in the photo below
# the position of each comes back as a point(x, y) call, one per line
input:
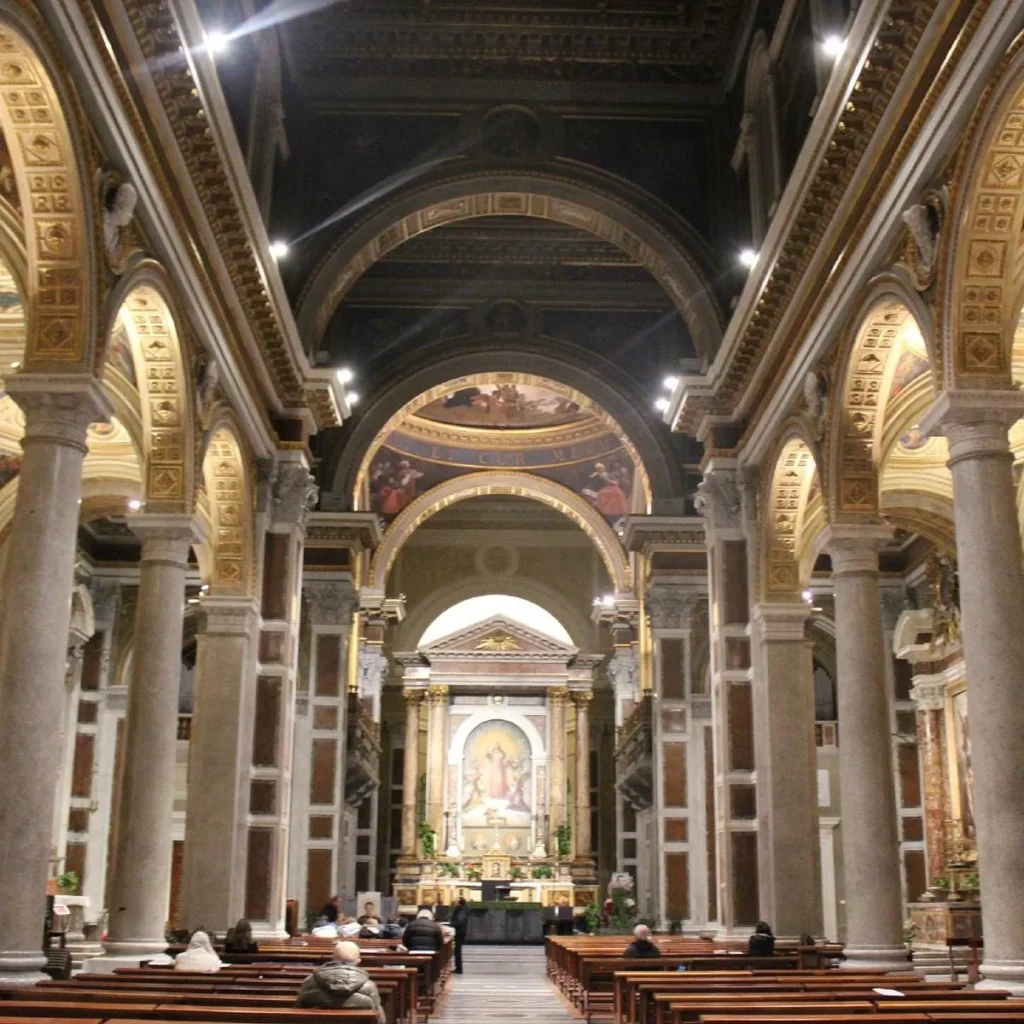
point(499, 636)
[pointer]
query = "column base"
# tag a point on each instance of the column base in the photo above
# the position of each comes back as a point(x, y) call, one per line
point(133, 948)
point(19, 967)
point(876, 958)
point(107, 963)
point(408, 871)
point(1007, 975)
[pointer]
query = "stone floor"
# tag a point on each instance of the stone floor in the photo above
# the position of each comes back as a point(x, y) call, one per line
point(502, 983)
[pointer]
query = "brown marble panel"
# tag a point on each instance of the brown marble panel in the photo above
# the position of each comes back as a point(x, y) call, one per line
point(744, 877)
point(930, 744)
point(741, 728)
point(177, 862)
point(262, 796)
point(742, 802)
point(271, 646)
point(709, 821)
point(275, 575)
point(673, 719)
point(364, 815)
point(734, 583)
point(362, 846)
point(628, 818)
point(910, 775)
point(319, 868)
point(258, 873)
point(903, 678)
point(78, 819)
point(321, 826)
point(676, 830)
point(81, 770)
point(629, 849)
point(913, 830)
point(88, 712)
point(321, 783)
point(325, 717)
point(74, 860)
point(673, 680)
point(677, 885)
point(917, 877)
point(674, 774)
point(362, 876)
point(327, 667)
point(92, 663)
point(737, 652)
point(265, 726)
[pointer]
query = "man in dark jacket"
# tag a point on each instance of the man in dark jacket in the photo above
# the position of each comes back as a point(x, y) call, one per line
point(460, 922)
point(341, 985)
point(641, 946)
point(424, 934)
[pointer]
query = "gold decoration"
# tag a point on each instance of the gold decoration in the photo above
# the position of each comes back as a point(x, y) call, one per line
point(498, 642)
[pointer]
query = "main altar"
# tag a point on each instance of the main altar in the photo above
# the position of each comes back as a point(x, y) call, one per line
point(496, 785)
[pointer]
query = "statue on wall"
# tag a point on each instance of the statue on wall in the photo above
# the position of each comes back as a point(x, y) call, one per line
point(119, 201)
point(942, 578)
point(718, 500)
point(816, 396)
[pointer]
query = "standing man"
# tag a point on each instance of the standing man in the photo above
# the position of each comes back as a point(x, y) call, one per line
point(460, 922)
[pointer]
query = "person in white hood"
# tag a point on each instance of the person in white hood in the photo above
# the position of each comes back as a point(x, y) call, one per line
point(200, 957)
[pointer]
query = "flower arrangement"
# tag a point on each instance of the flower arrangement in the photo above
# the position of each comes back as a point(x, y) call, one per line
point(563, 840)
point(543, 871)
point(623, 908)
point(68, 882)
point(428, 839)
point(451, 869)
point(517, 872)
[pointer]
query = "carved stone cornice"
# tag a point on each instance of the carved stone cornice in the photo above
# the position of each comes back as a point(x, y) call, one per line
point(330, 602)
point(647, 534)
point(929, 696)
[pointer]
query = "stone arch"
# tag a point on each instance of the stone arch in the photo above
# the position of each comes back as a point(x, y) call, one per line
point(665, 254)
point(39, 122)
point(457, 747)
point(228, 484)
point(521, 485)
point(981, 268)
point(785, 506)
point(156, 334)
point(418, 618)
point(864, 369)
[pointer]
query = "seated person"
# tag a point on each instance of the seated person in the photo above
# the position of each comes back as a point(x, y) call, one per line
point(349, 928)
point(424, 934)
point(641, 946)
point(199, 958)
point(370, 928)
point(324, 929)
point(340, 984)
point(331, 910)
point(239, 939)
point(762, 942)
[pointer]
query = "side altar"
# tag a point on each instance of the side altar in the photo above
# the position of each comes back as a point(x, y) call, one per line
point(496, 790)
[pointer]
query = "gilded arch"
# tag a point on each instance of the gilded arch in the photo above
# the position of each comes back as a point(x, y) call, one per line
point(523, 485)
point(155, 335)
point(982, 259)
point(58, 279)
point(511, 193)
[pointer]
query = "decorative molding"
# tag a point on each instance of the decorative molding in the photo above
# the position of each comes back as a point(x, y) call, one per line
point(330, 602)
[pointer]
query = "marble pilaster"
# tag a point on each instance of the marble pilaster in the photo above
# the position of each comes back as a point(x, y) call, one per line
point(558, 696)
point(874, 919)
point(410, 771)
point(141, 879)
point(582, 699)
point(33, 647)
point(437, 723)
point(992, 609)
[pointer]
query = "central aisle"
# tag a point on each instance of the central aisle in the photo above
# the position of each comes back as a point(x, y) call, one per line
point(502, 983)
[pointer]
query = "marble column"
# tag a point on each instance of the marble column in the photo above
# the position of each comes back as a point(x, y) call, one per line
point(789, 861)
point(557, 698)
point(874, 897)
point(140, 885)
point(931, 703)
point(437, 720)
point(411, 771)
point(33, 648)
point(220, 752)
point(992, 610)
point(582, 699)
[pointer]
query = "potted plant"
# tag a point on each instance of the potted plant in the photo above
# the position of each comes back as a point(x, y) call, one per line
point(591, 918)
point(450, 869)
point(563, 840)
point(428, 840)
point(909, 934)
point(542, 871)
point(67, 883)
point(517, 873)
point(474, 874)
point(971, 886)
point(940, 887)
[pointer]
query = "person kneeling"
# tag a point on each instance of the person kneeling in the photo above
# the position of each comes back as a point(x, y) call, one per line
point(340, 984)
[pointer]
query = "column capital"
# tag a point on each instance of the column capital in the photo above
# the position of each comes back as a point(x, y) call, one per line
point(930, 695)
point(413, 695)
point(221, 615)
point(854, 547)
point(975, 423)
point(719, 501)
point(373, 667)
point(437, 695)
point(166, 536)
point(293, 492)
point(330, 602)
point(670, 603)
point(624, 673)
point(582, 698)
point(781, 621)
point(558, 696)
point(59, 407)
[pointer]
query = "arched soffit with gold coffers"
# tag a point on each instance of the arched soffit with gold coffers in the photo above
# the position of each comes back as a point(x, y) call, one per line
point(48, 163)
point(521, 485)
point(662, 243)
point(981, 257)
point(791, 489)
point(347, 455)
point(869, 362)
point(142, 311)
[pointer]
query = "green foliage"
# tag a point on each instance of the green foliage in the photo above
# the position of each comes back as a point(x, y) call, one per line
point(941, 882)
point(543, 871)
point(68, 882)
point(428, 839)
point(563, 839)
point(592, 918)
point(517, 872)
point(474, 874)
point(909, 932)
point(623, 908)
point(450, 869)
point(972, 881)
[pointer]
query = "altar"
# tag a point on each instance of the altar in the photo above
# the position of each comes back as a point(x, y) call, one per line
point(444, 893)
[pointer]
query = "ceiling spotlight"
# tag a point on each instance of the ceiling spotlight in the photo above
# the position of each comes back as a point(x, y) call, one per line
point(662, 404)
point(345, 375)
point(748, 257)
point(670, 383)
point(217, 41)
point(135, 504)
point(353, 398)
point(204, 588)
point(15, 365)
point(193, 600)
point(278, 249)
point(608, 600)
point(833, 46)
point(808, 596)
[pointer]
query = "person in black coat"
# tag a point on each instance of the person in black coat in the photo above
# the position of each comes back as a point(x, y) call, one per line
point(641, 947)
point(331, 908)
point(762, 942)
point(424, 934)
point(460, 922)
